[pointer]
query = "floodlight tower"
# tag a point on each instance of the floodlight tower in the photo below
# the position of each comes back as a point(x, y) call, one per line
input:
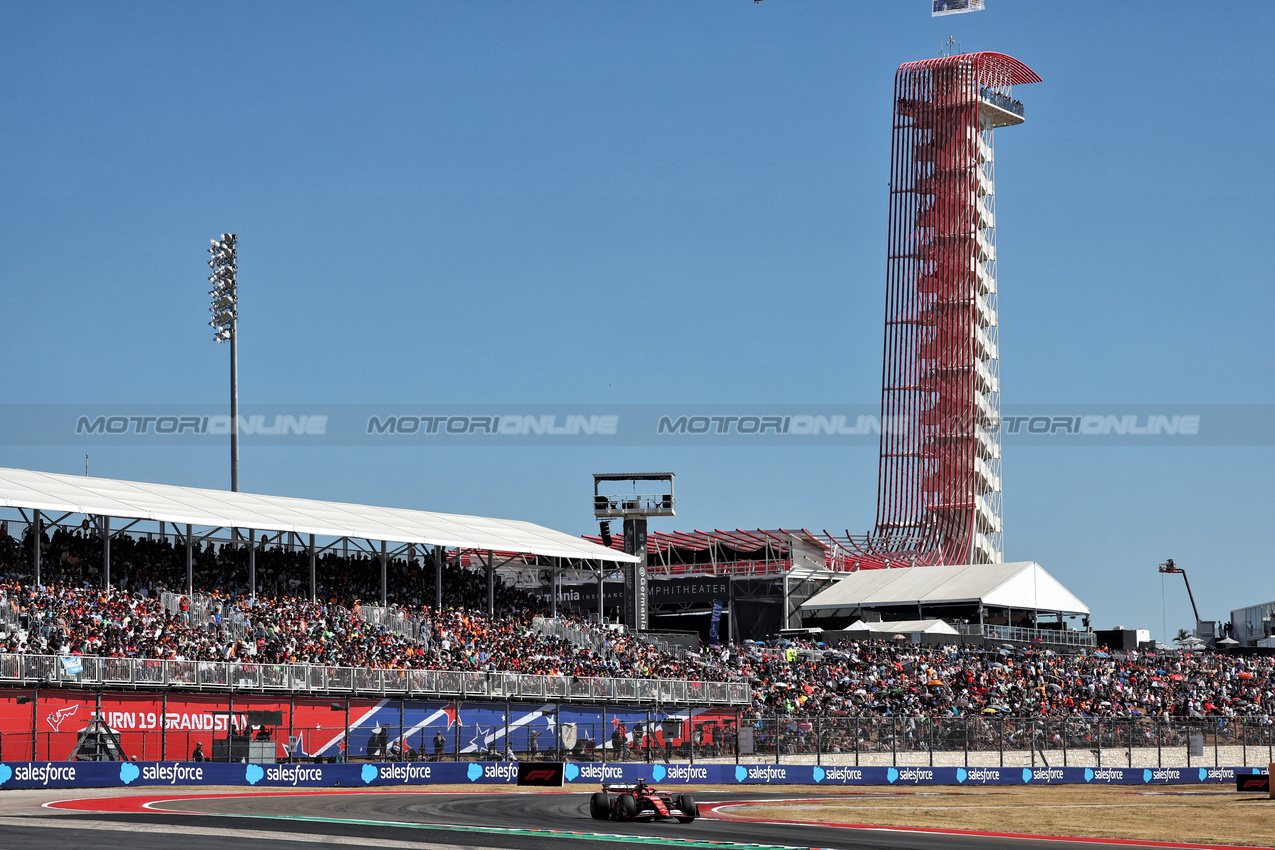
point(225, 325)
point(634, 508)
point(939, 486)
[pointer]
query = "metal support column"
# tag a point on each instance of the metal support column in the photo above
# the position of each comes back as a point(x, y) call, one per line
point(491, 583)
point(314, 592)
point(234, 406)
point(602, 602)
point(252, 566)
point(106, 552)
point(384, 578)
point(190, 561)
point(553, 588)
point(36, 536)
point(439, 554)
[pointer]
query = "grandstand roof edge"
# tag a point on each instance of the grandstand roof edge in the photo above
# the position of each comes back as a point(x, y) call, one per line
point(48, 491)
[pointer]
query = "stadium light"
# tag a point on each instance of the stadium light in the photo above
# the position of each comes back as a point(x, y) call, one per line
point(225, 323)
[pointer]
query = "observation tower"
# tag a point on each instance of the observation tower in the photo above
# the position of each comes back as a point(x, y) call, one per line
point(939, 485)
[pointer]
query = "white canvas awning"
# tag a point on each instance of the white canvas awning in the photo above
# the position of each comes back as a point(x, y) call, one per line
point(929, 627)
point(54, 493)
point(1023, 585)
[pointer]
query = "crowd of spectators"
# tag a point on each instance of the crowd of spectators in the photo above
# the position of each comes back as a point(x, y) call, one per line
point(72, 614)
point(879, 678)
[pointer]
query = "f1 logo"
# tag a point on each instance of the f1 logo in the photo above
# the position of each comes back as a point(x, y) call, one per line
point(544, 774)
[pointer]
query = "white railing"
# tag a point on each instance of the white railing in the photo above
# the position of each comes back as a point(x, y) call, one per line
point(1056, 637)
point(357, 681)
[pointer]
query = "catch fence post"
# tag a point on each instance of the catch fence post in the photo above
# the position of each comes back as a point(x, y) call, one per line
point(818, 741)
point(965, 731)
point(894, 741)
point(1000, 740)
point(1100, 743)
point(856, 740)
point(1129, 739)
point(738, 720)
point(163, 728)
point(35, 713)
point(230, 718)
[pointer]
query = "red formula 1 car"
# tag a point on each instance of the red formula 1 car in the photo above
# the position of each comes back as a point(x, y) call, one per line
point(641, 802)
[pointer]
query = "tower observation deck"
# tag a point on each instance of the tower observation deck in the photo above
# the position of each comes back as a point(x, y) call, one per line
point(939, 485)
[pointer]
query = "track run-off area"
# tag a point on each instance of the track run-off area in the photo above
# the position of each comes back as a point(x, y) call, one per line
point(149, 819)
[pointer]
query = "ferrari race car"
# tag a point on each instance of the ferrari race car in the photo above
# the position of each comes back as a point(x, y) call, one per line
point(641, 802)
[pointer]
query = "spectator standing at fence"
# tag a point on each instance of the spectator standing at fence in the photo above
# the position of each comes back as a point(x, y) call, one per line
point(617, 741)
point(440, 743)
point(198, 753)
point(533, 746)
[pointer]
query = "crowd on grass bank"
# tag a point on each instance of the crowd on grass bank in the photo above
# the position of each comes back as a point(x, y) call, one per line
point(71, 614)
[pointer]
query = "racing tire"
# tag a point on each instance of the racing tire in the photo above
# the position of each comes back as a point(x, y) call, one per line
point(600, 806)
point(625, 807)
point(688, 807)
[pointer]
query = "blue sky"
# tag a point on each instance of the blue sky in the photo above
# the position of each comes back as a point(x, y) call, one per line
point(617, 203)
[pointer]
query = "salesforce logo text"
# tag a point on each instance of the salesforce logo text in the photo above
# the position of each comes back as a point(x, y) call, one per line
point(916, 774)
point(1166, 773)
point(601, 771)
point(403, 772)
point(768, 773)
point(504, 425)
point(983, 774)
point(1047, 774)
point(44, 774)
point(502, 771)
point(293, 775)
point(685, 771)
point(171, 773)
point(216, 425)
point(843, 774)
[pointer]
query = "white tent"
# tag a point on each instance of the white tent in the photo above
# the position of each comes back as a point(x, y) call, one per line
point(1023, 585)
point(926, 627)
point(53, 493)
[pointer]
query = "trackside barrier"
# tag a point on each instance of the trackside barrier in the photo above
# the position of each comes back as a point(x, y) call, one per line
point(590, 774)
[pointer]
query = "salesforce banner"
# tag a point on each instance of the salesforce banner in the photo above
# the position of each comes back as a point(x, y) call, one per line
point(87, 774)
point(789, 774)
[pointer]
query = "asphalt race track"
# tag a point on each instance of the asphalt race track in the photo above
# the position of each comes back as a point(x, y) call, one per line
point(427, 821)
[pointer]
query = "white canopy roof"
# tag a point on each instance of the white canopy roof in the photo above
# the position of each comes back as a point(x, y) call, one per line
point(46, 491)
point(930, 627)
point(1023, 585)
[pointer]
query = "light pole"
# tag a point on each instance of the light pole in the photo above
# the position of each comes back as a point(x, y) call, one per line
point(225, 322)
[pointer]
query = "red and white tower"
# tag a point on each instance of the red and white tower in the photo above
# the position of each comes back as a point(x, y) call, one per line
point(939, 487)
